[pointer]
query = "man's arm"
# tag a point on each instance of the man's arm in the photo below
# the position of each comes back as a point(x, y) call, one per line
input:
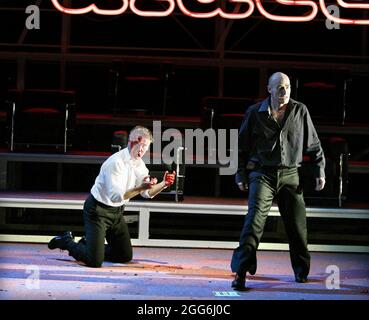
point(146, 184)
point(157, 189)
point(168, 179)
point(132, 192)
point(320, 183)
point(314, 149)
point(151, 185)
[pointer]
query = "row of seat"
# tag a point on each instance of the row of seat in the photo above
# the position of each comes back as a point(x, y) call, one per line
point(40, 119)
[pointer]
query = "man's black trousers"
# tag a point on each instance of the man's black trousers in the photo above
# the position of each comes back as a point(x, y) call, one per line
point(265, 185)
point(102, 221)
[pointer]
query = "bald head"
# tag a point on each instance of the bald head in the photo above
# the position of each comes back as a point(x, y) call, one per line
point(279, 88)
point(277, 77)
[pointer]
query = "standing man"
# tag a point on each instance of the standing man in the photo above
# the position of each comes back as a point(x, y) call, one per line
point(122, 176)
point(273, 138)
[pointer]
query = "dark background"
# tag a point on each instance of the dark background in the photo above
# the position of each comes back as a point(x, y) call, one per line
point(128, 65)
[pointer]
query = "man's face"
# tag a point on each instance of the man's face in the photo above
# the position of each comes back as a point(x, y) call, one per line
point(139, 147)
point(280, 90)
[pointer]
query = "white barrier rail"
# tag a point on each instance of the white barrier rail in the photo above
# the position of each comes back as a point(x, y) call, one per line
point(145, 208)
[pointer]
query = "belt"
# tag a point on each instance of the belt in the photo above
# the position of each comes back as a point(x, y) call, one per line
point(103, 205)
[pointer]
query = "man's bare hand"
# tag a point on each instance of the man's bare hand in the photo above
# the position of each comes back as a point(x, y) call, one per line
point(242, 186)
point(169, 178)
point(320, 183)
point(148, 182)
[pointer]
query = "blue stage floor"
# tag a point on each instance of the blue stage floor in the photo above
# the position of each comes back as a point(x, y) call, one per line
point(31, 271)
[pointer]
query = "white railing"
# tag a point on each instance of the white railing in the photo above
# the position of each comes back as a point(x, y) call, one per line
point(145, 208)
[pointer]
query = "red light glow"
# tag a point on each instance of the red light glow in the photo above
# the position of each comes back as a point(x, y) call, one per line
point(218, 11)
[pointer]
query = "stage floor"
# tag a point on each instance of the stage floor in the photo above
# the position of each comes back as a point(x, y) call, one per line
point(31, 271)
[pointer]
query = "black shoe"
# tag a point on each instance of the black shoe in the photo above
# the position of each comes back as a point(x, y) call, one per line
point(300, 279)
point(252, 269)
point(61, 242)
point(239, 283)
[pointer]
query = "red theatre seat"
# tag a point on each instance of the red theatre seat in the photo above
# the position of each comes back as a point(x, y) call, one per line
point(224, 112)
point(40, 120)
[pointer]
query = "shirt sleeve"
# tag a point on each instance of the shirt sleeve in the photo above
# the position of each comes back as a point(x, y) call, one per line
point(116, 177)
point(141, 172)
point(313, 147)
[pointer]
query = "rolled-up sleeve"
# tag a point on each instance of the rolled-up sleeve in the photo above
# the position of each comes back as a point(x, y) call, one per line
point(141, 172)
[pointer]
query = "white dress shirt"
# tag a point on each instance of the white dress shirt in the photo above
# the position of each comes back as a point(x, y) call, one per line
point(118, 174)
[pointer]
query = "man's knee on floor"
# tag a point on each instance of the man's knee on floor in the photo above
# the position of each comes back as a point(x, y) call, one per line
point(94, 262)
point(125, 258)
point(122, 258)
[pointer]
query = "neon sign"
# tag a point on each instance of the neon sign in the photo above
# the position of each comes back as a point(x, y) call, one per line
point(251, 4)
